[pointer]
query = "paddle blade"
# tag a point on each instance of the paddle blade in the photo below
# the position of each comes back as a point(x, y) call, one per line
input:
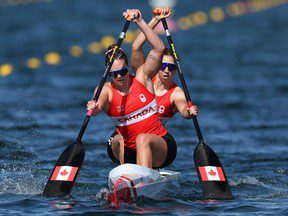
point(211, 173)
point(65, 171)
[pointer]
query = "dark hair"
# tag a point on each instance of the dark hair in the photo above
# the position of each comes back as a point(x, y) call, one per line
point(167, 51)
point(119, 55)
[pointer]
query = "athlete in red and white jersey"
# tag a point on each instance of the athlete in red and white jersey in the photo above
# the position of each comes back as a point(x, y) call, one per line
point(135, 113)
point(130, 102)
point(170, 97)
point(164, 106)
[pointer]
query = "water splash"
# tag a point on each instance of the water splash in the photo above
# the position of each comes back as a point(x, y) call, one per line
point(19, 180)
point(103, 196)
point(248, 180)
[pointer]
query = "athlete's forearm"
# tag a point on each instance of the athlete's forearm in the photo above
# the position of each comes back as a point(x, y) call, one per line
point(178, 98)
point(185, 114)
point(188, 112)
point(151, 36)
point(141, 39)
point(102, 100)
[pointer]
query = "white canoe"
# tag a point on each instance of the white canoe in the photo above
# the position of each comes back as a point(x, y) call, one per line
point(128, 182)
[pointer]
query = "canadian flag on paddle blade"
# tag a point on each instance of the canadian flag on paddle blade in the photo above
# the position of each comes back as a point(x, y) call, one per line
point(211, 173)
point(64, 173)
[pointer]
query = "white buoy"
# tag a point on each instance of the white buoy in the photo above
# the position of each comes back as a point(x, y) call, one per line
point(162, 3)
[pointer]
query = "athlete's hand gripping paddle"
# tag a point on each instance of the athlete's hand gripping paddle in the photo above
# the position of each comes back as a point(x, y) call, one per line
point(209, 168)
point(69, 163)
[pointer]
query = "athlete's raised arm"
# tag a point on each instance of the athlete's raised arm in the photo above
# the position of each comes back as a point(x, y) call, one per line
point(137, 56)
point(154, 59)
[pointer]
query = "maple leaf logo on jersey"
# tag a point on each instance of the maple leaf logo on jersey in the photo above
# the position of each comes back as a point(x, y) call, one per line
point(120, 108)
point(142, 98)
point(161, 109)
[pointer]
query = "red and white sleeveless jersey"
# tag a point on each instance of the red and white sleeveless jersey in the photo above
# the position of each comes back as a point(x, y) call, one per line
point(135, 113)
point(164, 106)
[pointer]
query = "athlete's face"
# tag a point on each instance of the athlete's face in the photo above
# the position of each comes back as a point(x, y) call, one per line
point(165, 73)
point(119, 72)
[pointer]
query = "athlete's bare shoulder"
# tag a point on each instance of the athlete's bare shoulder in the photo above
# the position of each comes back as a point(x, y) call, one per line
point(108, 85)
point(107, 89)
point(177, 90)
point(177, 94)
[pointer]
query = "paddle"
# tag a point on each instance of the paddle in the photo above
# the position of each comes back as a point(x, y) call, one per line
point(209, 169)
point(69, 163)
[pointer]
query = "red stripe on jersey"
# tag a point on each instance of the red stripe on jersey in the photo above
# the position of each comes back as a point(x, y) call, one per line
point(135, 113)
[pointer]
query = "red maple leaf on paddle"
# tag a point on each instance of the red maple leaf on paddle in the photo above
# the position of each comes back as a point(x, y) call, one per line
point(212, 173)
point(64, 172)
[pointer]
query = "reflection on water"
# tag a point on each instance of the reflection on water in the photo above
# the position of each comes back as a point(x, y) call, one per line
point(58, 204)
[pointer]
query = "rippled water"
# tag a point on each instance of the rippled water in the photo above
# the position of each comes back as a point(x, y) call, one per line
point(236, 71)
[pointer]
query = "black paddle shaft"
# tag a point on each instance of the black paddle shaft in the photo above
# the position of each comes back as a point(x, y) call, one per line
point(181, 76)
point(61, 181)
point(204, 156)
point(105, 75)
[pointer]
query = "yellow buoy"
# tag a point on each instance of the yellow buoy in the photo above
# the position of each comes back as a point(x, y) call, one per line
point(217, 14)
point(199, 18)
point(33, 63)
point(76, 51)
point(236, 9)
point(130, 35)
point(53, 58)
point(95, 47)
point(106, 41)
point(6, 70)
point(185, 23)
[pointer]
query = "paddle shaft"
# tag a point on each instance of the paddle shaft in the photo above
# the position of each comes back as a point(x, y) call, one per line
point(204, 156)
point(103, 80)
point(181, 76)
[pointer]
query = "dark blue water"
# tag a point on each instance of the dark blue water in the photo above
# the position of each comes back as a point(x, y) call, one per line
point(237, 74)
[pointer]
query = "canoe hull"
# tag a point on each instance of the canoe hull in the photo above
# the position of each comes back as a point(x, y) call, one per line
point(129, 182)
